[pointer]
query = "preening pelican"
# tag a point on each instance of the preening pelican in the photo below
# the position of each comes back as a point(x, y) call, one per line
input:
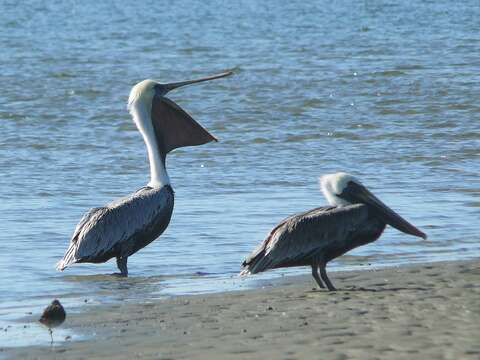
point(123, 227)
point(355, 217)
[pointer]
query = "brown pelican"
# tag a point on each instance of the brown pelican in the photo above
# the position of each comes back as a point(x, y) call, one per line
point(355, 217)
point(123, 227)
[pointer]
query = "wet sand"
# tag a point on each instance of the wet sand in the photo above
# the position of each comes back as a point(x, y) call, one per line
point(411, 312)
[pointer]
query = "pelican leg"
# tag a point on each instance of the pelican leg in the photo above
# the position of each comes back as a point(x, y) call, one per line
point(122, 265)
point(51, 336)
point(323, 274)
point(316, 277)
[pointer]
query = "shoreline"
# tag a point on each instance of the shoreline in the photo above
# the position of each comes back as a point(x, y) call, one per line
point(412, 311)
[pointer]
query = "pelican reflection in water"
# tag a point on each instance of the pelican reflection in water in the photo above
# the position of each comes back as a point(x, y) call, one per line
point(121, 228)
point(355, 217)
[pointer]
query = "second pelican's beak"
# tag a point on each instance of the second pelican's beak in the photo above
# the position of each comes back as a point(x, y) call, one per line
point(362, 195)
point(171, 86)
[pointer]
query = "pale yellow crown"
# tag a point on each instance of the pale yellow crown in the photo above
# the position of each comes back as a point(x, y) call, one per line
point(143, 91)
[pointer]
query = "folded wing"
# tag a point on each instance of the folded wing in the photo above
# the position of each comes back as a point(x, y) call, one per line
point(120, 228)
point(299, 238)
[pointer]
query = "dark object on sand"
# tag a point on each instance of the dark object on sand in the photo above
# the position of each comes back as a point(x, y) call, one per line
point(356, 217)
point(54, 315)
point(121, 228)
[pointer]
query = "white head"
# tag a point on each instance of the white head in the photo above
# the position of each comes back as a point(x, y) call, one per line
point(143, 92)
point(342, 189)
point(332, 185)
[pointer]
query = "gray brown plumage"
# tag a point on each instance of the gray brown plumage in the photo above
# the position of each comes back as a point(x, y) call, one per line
point(120, 229)
point(313, 238)
point(54, 315)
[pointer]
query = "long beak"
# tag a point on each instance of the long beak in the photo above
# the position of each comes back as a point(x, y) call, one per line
point(385, 213)
point(175, 85)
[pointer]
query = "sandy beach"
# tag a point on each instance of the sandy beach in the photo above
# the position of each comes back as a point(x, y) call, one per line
point(413, 312)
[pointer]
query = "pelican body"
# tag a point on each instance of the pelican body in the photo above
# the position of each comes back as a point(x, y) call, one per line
point(354, 218)
point(121, 228)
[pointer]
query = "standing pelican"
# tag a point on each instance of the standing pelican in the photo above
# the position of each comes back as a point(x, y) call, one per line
point(123, 227)
point(355, 217)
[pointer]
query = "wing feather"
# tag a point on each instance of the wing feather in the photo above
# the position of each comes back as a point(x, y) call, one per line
point(299, 238)
point(102, 230)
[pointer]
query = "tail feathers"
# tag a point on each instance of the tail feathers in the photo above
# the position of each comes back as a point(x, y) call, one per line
point(61, 265)
point(246, 267)
point(67, 260)
point(259, 260)
point(254, 264)
point(64, 263)
point(255, 267)
point(245, 272)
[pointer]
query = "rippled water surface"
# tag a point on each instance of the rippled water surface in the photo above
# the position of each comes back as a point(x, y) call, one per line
point(389, 91)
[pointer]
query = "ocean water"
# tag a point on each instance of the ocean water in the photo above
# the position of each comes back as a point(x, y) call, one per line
point(385, 90)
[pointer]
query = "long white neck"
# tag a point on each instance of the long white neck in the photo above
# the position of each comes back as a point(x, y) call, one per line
point(141, 113)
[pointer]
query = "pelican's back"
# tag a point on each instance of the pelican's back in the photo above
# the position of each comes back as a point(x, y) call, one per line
point(120, 228)
point(300, 238)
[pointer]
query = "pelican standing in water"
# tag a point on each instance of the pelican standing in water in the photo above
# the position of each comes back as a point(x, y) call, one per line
point(355, 217)
point(121, 228)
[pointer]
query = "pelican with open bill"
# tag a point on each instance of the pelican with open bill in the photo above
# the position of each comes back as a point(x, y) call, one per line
point(125, 226)
point(355, 217)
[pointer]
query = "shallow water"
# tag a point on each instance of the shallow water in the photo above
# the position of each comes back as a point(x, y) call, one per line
point(386, 91)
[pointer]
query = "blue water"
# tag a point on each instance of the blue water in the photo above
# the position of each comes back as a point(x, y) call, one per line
point(388, 91)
